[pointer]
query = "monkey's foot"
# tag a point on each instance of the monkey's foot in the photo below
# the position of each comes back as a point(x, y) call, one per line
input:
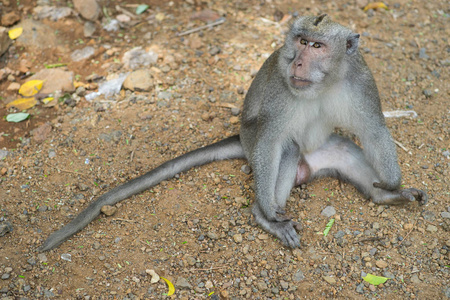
point(401, 197)
point(283, 228)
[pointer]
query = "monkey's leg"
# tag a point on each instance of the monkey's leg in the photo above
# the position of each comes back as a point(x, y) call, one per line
point(341, 158)
point(282, 227)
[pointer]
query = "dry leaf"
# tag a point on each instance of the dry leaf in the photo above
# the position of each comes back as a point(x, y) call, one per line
point(22, 103)
point(15, 33)
point(375, 5)
point(30, 88)
point(170, 285)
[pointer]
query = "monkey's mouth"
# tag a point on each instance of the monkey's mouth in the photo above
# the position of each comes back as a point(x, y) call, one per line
point(300, 82)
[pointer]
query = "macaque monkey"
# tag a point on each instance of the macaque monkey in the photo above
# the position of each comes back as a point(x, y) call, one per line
point(316, 82)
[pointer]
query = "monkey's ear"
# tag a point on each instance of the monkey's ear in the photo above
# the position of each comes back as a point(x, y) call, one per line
point(352, 43)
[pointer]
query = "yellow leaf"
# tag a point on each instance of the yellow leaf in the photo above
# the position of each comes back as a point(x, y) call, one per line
point(15, 33)
point(30, 88)
point(22, 103)
point(375, 5)
point(47, 100)
point(170, 285)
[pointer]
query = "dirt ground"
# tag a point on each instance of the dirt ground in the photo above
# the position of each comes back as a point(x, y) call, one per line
point(196, 230)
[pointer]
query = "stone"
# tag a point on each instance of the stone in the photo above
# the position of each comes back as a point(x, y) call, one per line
point(328, 211)
point(5, 42)
point(88, 9)
point(237, 238)
point(55, 80)
point(40, 134)
point(37, 35)
point(81, 54)
point(182, 283)
point(381, 264)
point(10, 18)
point(108, 210)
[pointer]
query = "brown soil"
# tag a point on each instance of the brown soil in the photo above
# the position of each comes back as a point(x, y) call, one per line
point(187, 228)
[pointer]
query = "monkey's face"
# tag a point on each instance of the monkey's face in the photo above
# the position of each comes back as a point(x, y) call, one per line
point(315, 53)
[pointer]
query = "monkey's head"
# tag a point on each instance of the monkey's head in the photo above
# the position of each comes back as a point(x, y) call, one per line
point(317, 52)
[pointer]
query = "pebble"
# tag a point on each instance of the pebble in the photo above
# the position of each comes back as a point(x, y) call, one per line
point(237, 238)
point(298, 276)
point(152, 273)
point(212, 235)
point(415, 279)
point(235, 111)
point(381, 264)
point(5, 228)
point(328, 211)
point(445, 215)
point(5, 276)
point(431, 228)
point(182, 283)
point(329, 279)
point(81, 54)
point(246, 169)
point(360, 288)
point(108, 210)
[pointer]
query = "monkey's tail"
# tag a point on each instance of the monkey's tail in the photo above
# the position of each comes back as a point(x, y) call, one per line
point(228, 148)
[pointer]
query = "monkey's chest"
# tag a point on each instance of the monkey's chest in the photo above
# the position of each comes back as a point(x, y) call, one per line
point(310, 130)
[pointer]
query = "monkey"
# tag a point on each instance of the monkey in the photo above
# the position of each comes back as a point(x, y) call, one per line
point(316, 82)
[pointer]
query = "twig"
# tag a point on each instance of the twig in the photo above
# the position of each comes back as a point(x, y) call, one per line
point(412, 228)
point(401, 146)
point(126, 12)
point(372, 239)
point(125, 220)
point(211, 268)
point(67, 171)
point(218, 22)
point(227, 105)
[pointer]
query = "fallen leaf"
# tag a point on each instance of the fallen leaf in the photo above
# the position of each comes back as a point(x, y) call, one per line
point(15, 33)
point(170, 285)
point(328, 227)
point(375, 280)
point(22, 103)
point(141, 8)
point(375, 5)
point(18, 117)
point(31, 88)
point(47, 100)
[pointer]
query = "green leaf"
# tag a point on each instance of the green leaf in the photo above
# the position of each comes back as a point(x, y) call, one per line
point(328, 227)
point(18, 117)
point(141, 8)
point(375, 280)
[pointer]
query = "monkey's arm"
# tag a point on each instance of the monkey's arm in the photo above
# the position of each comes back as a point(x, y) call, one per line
point(226, 149)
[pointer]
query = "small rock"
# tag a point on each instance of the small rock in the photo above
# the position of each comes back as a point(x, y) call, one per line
point(5, 276)
point(55, 80)
point(88, 9)
point(212, 235)
point(415, 279)
point(155, 277)
point(108, 210)
point(376, 225)
point(284, 285)
point(10, 19)
point(214, 50)
point(141, 81)
point(66, 256)
point(381, 264)
point(431, 228)
point(360, 288)
point(241, 201)
point(422, 53)
point(42, 257)
point(329, 279)
point(182, 283)
point(190, 260)
point(328, 211)
point(444, 214)
point(138, 57)
point(5, 227)
point(263, 236)
point(13, 87)
point(5, 42)
point(8, 270)
point(209, 284)
point(80, 54)
point(3, 154)
point(41, 133)
point(235, 111)
point(429, 215)
point(408, 226)
point(234, 120)
point(51, 153)
point(246, 169)
point(54, 13)
point(237, 238)
point(427, 93)
point(89, 28)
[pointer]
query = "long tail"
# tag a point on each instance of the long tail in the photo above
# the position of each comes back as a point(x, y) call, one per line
point(226, 149)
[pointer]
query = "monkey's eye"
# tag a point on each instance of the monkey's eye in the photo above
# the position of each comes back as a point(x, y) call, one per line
point(303, 42)
point(317, 45)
